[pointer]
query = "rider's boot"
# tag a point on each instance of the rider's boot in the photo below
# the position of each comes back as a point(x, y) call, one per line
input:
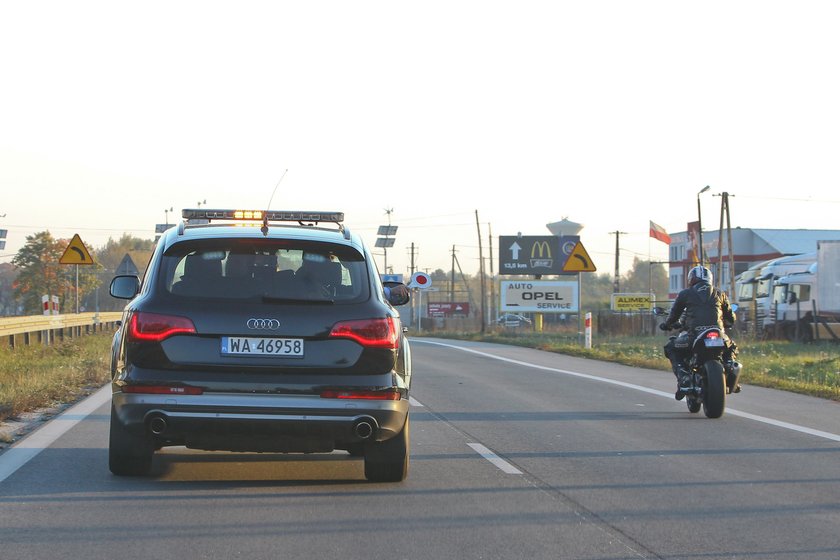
point(683, 380)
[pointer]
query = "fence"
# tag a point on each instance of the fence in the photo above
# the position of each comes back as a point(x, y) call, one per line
point(45, 329)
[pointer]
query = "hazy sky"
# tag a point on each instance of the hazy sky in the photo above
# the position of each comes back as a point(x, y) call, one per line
point(609, 113)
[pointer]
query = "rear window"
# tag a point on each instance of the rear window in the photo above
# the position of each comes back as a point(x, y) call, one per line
point(265, 270)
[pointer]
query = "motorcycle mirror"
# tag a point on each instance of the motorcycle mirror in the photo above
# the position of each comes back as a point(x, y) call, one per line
point(734, 307)
point(659, 311)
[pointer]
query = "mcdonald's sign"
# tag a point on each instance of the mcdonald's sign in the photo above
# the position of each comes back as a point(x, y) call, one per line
point(541, 256)
point(532, 254)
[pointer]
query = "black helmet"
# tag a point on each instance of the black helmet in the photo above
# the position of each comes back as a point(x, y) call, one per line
point(699, 274)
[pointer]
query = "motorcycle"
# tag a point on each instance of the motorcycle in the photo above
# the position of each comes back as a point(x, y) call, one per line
point(713, 370)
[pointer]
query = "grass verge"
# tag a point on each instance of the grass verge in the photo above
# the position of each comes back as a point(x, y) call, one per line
point(809, 369)
point(33, 377)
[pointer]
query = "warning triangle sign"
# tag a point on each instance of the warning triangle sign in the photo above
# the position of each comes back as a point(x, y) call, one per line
point(76, 253)
point(579, 260)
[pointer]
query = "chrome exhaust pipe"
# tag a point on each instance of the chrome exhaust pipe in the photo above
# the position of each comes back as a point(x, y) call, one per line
point(157, 425)
point(364, 428)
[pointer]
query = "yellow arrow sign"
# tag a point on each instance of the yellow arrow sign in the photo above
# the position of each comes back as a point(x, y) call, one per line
point(579, 260)
point(76, 253)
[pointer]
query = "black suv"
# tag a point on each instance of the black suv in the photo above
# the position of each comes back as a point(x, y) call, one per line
point(261, 332)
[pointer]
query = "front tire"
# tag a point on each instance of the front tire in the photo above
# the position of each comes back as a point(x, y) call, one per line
point(714, 393)
point(128, 454)
point(387, 461)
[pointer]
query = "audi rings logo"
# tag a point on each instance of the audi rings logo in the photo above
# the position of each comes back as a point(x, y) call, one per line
point(263, 324)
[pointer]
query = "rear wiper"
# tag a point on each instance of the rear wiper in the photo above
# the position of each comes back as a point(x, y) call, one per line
point(270, 299)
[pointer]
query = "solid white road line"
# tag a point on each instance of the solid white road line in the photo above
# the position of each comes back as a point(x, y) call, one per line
point(414, 402)
point(500, 463)
point(26, 449)
point(733, 412)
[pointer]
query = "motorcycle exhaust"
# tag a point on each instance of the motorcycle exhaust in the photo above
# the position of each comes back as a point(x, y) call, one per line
point(733, 372)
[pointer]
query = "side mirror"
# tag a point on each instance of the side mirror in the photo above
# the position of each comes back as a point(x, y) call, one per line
point(125, 287)
point(734, 307)
point(398, 293)
point(659, 311)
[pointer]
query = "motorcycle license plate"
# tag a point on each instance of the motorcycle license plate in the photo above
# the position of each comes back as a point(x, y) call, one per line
point(712, 342)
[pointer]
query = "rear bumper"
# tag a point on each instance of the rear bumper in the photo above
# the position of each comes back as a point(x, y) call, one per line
point(247, 422)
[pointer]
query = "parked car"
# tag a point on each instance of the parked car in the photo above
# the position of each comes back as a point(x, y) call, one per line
point(261, 332)
point(513, 320)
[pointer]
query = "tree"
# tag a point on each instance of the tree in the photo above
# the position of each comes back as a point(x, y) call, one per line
point(9, 304)
point(109, 258)
point(645, 277)
point(38, 270)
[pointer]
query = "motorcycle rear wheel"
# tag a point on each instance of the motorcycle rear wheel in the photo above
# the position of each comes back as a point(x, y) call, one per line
point(714, 393)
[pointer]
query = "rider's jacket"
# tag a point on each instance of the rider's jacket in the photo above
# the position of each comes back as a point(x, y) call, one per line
point(703, 305)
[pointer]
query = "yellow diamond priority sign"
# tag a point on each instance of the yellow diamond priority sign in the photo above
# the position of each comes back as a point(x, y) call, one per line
point(76, 253)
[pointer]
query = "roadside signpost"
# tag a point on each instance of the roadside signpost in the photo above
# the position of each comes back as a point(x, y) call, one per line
point(541, 296)
point(538, 256)
point(76, 253)
point(631, 303)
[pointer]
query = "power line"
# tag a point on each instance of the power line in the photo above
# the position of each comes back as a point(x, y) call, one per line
point(785, 199)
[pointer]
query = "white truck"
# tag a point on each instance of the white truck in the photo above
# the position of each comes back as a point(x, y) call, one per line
point(770, 274)
point(754, 287)
point(806, 305)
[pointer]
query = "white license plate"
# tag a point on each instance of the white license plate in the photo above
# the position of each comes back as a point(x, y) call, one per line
point(714, 342)
point(245, 346)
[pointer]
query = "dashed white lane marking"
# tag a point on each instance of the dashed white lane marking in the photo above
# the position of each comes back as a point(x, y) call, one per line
point(503, 465)
point(500, 463)
point(732, 411)
point(28, 448)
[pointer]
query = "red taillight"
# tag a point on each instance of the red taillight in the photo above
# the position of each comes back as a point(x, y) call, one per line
point(154, 327)
point(712, 334)
point(389, 395)
point(161, 390)
point(373, 333)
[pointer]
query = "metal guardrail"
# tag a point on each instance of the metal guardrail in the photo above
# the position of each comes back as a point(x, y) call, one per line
point(47, 328)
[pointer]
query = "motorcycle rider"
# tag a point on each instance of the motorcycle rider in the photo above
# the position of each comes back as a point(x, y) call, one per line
point(703, 306)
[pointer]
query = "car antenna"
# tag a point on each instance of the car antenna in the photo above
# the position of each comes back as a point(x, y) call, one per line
point(264, 228)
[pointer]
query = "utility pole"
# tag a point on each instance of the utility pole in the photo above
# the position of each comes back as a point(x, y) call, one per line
point(387, 231)
point(481, 271)
point(724, 212)
point(452, 278)
point(701, 256)
point(492, 277)
point(616, 280)
point(413, 306)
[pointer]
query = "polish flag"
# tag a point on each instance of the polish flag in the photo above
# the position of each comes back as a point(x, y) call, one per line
point(658, 232)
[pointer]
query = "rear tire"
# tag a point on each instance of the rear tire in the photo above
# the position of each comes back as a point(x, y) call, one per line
point(128, 454)
point(387, 461)
point(714, 393)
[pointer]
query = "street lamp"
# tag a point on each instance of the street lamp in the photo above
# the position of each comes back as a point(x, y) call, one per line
point(700, 224)
point(200, 202)
point(166, 212)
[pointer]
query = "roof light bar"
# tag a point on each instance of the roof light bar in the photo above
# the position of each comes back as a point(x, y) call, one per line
point(260, 215)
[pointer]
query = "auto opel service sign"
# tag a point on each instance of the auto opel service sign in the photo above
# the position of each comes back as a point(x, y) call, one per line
point(543, 296)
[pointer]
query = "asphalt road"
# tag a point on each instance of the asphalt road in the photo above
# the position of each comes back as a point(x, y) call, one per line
point(515, 453)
